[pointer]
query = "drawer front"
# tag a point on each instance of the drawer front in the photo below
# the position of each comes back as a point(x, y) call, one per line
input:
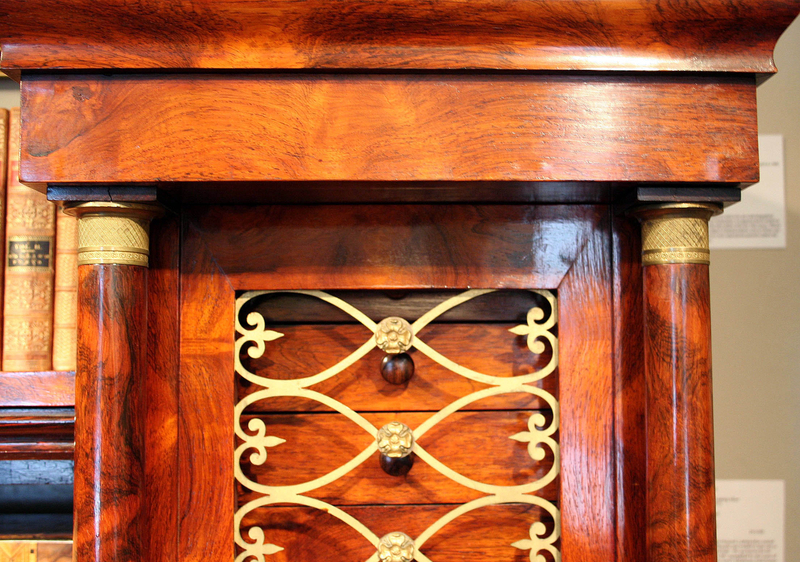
point(315, 468)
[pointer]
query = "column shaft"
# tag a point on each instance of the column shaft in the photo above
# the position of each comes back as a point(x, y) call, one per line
point(109, 436)
point(113, 249)
point(681, 505)
point(680, 449)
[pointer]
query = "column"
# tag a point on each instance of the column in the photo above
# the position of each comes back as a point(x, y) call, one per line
point(681, 507)
point(113, 249)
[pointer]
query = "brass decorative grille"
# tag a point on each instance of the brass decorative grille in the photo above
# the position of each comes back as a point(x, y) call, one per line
point(255, 438)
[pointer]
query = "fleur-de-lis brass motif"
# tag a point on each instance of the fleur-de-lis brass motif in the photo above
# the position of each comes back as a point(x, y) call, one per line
point(395, 440)
point(396, 547)
point(394, 335)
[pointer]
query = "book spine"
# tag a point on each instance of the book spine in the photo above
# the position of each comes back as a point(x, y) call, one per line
point(29, 269)
point(65, 302)
point(3, 174)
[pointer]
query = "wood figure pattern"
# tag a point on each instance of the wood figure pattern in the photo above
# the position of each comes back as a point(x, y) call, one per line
point(109, 416)
point(629, 394)
point(680, 451)
point(162, 465)
point(696, 35)
point(389, 127)
point(411, 112)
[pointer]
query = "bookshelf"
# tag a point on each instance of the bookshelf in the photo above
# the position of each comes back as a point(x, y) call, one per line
point(37, 413)
point(37, 417)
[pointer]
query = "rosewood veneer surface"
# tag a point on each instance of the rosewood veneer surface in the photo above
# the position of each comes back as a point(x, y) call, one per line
point(361, 146)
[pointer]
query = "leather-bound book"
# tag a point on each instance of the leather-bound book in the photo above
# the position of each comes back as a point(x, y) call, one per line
point(65, 307)
point(29, 268)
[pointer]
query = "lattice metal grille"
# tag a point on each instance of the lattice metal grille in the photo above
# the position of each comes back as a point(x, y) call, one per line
point(255, 336)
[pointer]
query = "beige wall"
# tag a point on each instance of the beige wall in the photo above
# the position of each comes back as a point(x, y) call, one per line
point(9, 93)
point(755, 316)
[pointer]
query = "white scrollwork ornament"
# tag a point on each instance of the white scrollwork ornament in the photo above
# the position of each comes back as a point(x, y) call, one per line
point(540, 541)
point(258, 548)
point(260, 441)
point(537, 327)
point(395, 335)
point(538, 433)
point(258, 335)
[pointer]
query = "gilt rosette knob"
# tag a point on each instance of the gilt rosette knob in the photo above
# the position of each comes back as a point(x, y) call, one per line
point(394, 335)
point(396, 547)
point(395, 440)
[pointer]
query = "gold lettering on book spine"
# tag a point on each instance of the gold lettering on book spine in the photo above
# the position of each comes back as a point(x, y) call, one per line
point(114, 233)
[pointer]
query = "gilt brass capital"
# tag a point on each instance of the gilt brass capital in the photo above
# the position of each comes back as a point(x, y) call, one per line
point(675, 233)
point(113, 233)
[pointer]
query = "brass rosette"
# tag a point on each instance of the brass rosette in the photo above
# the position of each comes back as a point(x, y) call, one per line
point(396, 547)
point(395, 440)
point(394, 335)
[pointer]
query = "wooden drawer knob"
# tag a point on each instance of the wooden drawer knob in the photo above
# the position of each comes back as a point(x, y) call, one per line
point(397, 467)
point(397, 369)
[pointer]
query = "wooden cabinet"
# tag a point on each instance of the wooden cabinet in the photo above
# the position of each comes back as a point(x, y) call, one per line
point(261, 184)
point(473, 361)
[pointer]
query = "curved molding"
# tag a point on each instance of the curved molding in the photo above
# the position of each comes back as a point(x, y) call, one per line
point(603, 35)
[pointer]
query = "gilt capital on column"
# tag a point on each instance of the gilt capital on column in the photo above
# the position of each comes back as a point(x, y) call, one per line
point(675, 233)
point(114, 233)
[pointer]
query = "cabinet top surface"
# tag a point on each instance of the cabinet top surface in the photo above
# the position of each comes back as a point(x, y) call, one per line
point(531, 35)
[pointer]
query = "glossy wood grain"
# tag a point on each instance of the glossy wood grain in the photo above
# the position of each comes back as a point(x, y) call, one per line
point(681, 506)
point(161, 457)
point(30, 551)
point(388, 127)
point(205, 403)
point(708, 35)
point(483, 534)
point(587, 404)
point(35, 389)
point(475, 444)
point(394, 246)
point(109, 421)
point(630, 436)
point(213, 242)
point(40, 433)
point(307, 350)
